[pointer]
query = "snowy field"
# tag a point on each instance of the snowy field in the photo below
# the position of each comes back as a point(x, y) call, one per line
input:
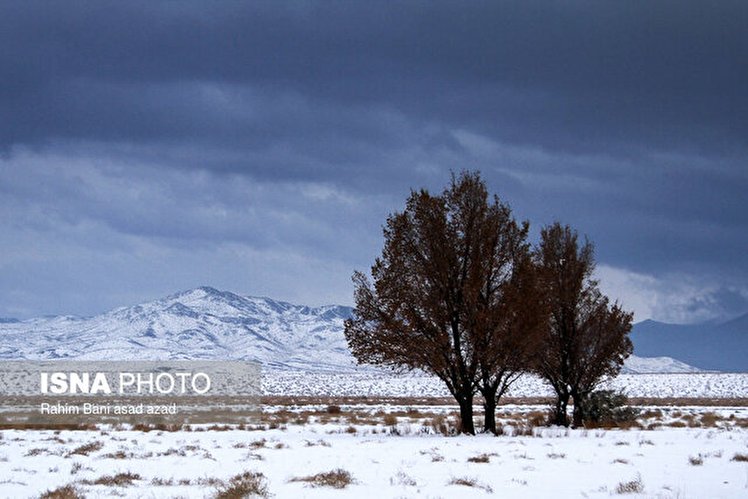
point(379, 384)
point(400, 457)
point(363, 448)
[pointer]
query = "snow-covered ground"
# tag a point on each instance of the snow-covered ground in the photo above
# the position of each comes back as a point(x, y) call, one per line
point(664, 463)
point(691, 385)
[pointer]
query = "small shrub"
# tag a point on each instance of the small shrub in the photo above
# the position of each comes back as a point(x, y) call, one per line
point(740, 458)
point(337, 479)
point(608, 408)
point(631, 487)
point(64, 492)
point(696, 461)
point(246, 484)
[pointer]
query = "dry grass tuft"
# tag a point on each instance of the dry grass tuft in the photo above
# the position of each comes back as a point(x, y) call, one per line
point(537, 419)
point(470, 482)
point(118, 480)
point(333, 409)
point(57, 427)
point(120, 454)
point(64, 492)
point(86, 449)
point(337, 479)
point(481, 458)
point(322, 443)
point(162, 482)
point(402, 479)
point(651, 413)
point(146, 427)
point(710, 419)
point(390, 419)
point(631, 487)
point(258, 444)
point(246, 484)
point(440, 424)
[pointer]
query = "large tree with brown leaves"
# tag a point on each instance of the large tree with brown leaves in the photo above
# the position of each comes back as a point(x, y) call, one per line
point(440, 292)
point(586, 337)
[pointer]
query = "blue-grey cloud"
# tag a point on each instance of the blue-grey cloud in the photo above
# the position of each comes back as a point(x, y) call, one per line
point(294, 128)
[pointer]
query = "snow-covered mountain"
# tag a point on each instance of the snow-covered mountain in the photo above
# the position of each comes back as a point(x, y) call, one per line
point(650, 365)
point(205, 323)
point(202, 323)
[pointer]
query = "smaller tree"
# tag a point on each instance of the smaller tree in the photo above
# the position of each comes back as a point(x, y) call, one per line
point(586, 338)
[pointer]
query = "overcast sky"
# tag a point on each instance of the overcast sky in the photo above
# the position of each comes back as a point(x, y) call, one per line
point(147, 148)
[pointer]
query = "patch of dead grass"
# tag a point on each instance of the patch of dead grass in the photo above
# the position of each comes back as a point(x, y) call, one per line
point(470, 482)
point(64, 492)
point(87, 449)
point(247, 484)
point(337, 479)
point(118, 480)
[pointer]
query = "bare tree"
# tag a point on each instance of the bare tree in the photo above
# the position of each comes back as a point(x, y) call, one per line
point(438, 288)
point(586, 338)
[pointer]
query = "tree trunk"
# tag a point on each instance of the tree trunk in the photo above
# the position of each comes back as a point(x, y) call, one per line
point(489, 420)
point(562, 401)
point(578, 414)
point(466, 414)
point(489, 409)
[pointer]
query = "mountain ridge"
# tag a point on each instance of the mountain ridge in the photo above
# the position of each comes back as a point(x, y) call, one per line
point(207, 323)
point(719, 346)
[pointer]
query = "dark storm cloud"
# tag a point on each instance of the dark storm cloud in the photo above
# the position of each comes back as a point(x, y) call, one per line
point(574, 75)
point(299, 125)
